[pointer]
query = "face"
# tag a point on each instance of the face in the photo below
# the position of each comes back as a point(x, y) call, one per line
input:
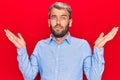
point(59, 22)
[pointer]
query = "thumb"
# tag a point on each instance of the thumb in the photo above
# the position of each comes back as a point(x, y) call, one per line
point(101, 35)
point(20, 36)
point(99, 39)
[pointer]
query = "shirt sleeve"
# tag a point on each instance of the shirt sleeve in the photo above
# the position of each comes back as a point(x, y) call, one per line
point(93, 63)
point(97, 64)
point(28, 67)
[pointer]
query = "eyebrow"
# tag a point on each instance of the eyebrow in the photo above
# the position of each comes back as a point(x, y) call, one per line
point(61, 15)
point(64, 15)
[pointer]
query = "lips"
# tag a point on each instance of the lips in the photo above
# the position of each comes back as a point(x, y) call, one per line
point(58, 27)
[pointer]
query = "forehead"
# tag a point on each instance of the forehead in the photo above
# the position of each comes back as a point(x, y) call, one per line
point(55, 11)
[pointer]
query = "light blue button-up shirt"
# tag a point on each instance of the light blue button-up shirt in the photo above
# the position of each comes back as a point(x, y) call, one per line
point(65, 61)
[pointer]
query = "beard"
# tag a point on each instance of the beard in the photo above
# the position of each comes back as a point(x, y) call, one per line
point(62, 33)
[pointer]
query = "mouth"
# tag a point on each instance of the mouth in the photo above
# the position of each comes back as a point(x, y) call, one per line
point(58, 29)
point(58, 26)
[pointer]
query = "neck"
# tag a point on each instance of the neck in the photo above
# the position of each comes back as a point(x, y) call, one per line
point(59, 40)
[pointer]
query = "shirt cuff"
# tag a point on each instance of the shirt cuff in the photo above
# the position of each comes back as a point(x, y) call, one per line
point(21, 51)
point(100, 53)
point(99, 50)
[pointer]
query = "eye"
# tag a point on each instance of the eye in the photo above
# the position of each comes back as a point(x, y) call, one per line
point(53, 17)
point(63, 18)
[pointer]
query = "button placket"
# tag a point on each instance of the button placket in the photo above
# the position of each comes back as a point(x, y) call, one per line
point(57, 61)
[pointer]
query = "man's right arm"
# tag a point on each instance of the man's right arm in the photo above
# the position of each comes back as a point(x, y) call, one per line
point(28, 67)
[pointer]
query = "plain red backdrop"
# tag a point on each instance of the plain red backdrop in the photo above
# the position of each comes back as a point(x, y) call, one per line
point(29, 17)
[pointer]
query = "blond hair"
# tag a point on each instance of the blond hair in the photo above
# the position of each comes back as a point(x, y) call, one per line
point(61, 5)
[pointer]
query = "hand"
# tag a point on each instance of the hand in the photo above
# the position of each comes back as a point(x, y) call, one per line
point(103, 39)
point(17, 41)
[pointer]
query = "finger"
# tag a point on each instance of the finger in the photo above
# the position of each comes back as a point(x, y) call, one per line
point(5, 30)
point(10, 38)
point(101, 35)
point(115, 32)
point(101, 44)
point(111, 34)
point(107, 36)
point(110, 37)
point(20, 36)
point(13, 40)
point(111, 31)
point(99, 39)
point(10, 33)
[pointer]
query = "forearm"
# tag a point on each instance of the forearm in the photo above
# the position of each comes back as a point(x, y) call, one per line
point(97, 67)
point(28, 70)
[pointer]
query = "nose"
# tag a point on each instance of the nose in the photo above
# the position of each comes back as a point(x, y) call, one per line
point(58, 21)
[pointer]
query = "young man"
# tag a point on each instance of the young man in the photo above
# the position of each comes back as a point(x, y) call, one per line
point(61, 56)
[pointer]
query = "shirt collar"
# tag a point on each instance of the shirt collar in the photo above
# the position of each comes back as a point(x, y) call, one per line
point(68, 38)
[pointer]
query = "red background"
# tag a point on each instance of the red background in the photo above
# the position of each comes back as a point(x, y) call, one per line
point(29, 17)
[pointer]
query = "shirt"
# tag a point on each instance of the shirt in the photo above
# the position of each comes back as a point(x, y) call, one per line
point(65, 61)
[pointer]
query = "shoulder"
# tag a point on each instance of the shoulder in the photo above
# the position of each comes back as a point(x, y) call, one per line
point(82, 45)
point(79, 41)
point(42, 42)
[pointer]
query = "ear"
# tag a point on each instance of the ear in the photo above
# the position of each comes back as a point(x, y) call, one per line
point(49, 22)
point(70, 22)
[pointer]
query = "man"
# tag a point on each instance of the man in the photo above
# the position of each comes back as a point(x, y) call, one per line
point(62, 56)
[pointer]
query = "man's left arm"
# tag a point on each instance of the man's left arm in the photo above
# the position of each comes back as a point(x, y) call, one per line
point(98, 56)
point(94, 64)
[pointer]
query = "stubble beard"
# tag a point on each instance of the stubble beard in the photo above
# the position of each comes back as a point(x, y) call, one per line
point(62, 33)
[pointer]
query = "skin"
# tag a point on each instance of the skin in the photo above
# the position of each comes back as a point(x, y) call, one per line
point(103, 39)
point(60, 17)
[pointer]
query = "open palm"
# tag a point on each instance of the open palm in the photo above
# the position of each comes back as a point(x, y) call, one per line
point(17, 41)
point(103, 39)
